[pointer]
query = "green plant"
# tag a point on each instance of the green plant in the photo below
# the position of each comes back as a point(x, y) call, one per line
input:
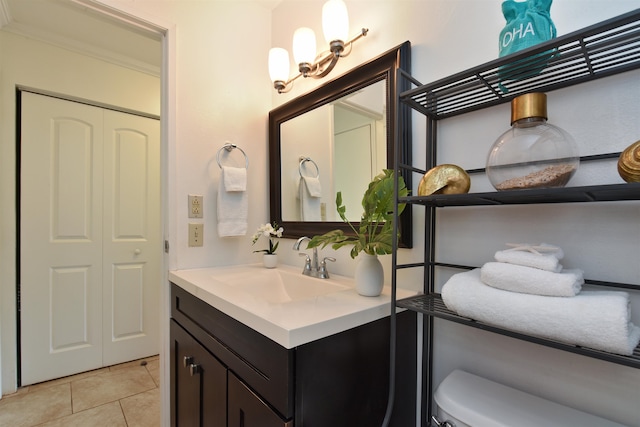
point(375, 233)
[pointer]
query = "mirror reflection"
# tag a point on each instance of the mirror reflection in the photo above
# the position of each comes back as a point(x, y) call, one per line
point(344, 148)
point(338, 137)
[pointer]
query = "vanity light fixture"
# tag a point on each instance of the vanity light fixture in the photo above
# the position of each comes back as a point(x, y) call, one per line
point(335, 25)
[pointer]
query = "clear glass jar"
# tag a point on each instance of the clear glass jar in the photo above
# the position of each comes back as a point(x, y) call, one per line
point(533, 153)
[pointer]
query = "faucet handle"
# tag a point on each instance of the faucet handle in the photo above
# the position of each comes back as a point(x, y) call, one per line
point(322, 270)
point(306, 270)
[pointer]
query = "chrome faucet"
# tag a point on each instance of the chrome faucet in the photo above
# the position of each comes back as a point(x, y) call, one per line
point(311, 266)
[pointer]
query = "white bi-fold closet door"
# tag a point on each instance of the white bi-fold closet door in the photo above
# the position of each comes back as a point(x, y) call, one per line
point(90, 237)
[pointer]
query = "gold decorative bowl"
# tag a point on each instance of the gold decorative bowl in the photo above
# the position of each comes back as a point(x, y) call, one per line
point(444, 179)
point(629, 163)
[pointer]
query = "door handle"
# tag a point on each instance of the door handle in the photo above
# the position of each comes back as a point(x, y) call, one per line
point(137, 251)
point(194, 369)
point(188, 360)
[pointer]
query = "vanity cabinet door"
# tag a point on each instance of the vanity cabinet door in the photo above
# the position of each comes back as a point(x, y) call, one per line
point(246, 409)
point(198, 383)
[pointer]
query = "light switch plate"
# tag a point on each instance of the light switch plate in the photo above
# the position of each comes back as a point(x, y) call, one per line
point(195, 206)
point(196, 234)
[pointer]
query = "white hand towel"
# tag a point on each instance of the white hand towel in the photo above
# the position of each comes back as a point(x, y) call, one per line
point(232, 204)
point(529, 280)
point(594, 319)
point(527, 255)
point(309, 205)
point(313, 186)
point(235, 179)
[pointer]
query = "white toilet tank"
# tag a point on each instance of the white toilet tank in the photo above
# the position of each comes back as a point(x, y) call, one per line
point(466, 400)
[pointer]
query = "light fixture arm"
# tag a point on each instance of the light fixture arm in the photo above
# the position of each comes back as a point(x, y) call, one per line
point(284, 87)
point(349, 44)
point(324, 66)
point(324, 63)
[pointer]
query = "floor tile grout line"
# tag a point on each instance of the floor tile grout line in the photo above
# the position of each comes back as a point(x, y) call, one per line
point(87, 374)
point(69, 385)
point(124, 415)
point(119, 400)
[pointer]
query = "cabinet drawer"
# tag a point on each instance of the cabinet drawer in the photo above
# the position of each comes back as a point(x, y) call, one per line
point(264, 365)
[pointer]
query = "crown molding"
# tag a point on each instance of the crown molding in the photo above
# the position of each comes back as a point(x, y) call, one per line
point(119, 17)
point(82, 48)
point(5, 14)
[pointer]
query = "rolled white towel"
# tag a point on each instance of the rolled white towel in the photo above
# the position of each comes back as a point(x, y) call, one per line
point(529, 280)
point(594, 319)
point(544, 257)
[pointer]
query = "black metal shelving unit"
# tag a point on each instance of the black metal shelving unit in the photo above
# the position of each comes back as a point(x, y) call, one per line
point(608, 48)
point(433, 305)
point(592, 193)
point(601, 50)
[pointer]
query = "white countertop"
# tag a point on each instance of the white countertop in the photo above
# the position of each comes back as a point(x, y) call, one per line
point(292, 323)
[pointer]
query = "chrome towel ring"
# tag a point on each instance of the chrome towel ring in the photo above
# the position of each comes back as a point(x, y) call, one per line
point(229, 147)
point(303, 160)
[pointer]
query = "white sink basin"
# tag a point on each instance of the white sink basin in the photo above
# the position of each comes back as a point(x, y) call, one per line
point(277, 286)
point(283, 304)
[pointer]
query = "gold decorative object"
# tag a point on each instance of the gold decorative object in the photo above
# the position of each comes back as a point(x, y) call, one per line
point(444, 179)
point(629, 163)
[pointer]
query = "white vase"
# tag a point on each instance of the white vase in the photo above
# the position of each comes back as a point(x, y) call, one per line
point(369, 276)
point(270, 260)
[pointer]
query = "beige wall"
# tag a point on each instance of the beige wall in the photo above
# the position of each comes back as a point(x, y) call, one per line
point(222, 93)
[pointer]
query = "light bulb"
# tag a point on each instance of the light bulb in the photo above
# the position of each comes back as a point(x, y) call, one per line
point(335, 21)
point(278, 64)
point(304, 46)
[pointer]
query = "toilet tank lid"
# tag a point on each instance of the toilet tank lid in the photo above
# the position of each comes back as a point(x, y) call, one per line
point(482, 403)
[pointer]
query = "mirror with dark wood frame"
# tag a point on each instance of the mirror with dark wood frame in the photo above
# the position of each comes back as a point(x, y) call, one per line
point(383, 68)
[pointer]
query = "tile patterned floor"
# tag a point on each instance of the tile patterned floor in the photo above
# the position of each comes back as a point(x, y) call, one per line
point(126, 395)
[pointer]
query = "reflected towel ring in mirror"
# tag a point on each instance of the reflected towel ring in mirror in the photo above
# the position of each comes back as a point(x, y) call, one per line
point(229, 147)
point(290, 137)
point(303, 160)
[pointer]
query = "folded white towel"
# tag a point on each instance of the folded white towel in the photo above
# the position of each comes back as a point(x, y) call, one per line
point(529, 280)
point(309, 205)
point(232, 204)
point(313, 186)
point(594, 319)
point(544, 257)
point(235, 179)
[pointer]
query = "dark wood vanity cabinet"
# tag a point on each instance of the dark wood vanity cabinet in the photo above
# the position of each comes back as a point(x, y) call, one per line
point(247, 409)
point(199, 379)
point(243, 379)
point(205, 387)
point(205, 393)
